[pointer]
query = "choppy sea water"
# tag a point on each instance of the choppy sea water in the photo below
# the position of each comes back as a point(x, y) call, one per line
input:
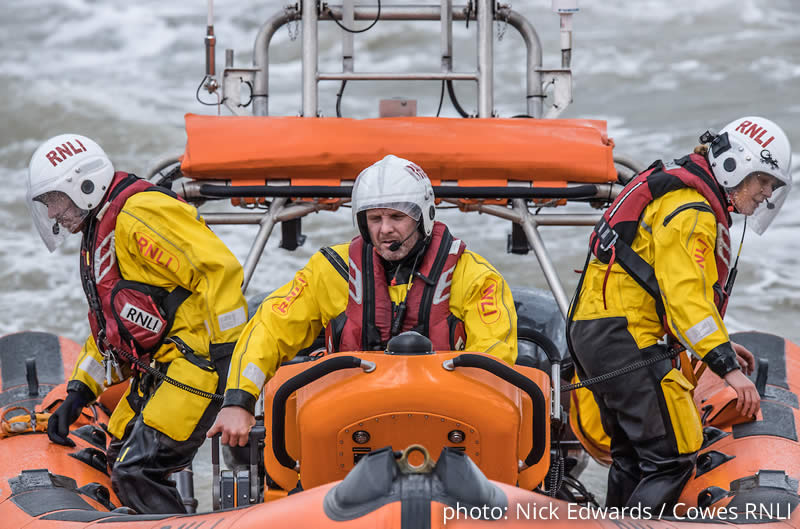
point(125, 73)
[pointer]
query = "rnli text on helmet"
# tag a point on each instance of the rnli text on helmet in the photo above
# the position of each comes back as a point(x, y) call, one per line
point(755, 131)
point(65, 150)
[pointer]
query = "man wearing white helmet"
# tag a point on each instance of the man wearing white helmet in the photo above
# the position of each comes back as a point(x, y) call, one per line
point(404, 271)
point(164, 298)
point(656, 287)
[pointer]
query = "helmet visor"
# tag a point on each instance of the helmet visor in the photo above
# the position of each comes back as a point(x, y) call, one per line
point(409, 208)
point(55, 216)
point(766, 211)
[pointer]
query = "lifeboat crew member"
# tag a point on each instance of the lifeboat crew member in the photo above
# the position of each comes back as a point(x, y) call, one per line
point(164, 298)
point(660, 273)
point(403, 272)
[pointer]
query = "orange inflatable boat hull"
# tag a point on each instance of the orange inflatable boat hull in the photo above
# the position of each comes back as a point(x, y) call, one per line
point(47, 486)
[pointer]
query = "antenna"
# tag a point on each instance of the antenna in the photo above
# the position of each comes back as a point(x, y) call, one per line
point(565, 9)
point(211, 81)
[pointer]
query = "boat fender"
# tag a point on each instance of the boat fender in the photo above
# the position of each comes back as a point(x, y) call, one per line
point(370, 485)
point(464, 483)
point(377, 480)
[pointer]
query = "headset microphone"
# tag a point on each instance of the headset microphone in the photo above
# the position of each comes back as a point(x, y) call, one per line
point(56, 228)
point(770, 205)
point(397, 244)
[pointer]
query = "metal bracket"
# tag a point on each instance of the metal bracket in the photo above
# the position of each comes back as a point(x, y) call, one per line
point(561, 79)
point(232, 81)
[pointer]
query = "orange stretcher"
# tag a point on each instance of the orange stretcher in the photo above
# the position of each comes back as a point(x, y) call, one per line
point(324, 151)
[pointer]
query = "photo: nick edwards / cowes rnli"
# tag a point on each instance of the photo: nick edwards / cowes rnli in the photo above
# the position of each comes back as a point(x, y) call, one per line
point(415, 377)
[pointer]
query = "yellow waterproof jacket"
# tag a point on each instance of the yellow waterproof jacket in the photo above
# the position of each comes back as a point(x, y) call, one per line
point(681, 249)
point(151, 229)
point(291, 318)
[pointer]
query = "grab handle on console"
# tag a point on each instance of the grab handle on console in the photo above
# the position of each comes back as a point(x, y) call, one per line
point(514, 378)
point(308, 376)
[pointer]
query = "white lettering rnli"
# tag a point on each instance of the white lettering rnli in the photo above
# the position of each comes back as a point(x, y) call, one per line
point(141, 318)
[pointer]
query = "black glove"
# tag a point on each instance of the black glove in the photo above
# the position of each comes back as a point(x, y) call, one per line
point(66, 414)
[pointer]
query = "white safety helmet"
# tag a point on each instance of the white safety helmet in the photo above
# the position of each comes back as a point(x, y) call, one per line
point(71, 170)
point(398, 184)
point(750, 145)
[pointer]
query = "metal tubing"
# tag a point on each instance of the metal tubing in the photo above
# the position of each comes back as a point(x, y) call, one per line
point(410, 76)
point(184, 482)
point(301, 210)
point(293, 211)
point(261, 59)
point(414, 12)
point(533, 78)
point(585, 191)
point(310, 58)
point(394, 12)
point(160, 164)
point(348, 48)
point(267, 223)
point(447, 35)
point(211, 41)
point(485, 59)
point(528, 223)
point(555, 391)
point(552, 219)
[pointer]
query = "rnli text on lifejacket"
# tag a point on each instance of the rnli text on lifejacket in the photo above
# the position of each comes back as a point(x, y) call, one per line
point(141, 318)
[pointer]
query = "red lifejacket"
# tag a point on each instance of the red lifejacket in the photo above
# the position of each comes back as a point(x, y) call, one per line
point(611, 238)
point(123, 315)
point(366, 323)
